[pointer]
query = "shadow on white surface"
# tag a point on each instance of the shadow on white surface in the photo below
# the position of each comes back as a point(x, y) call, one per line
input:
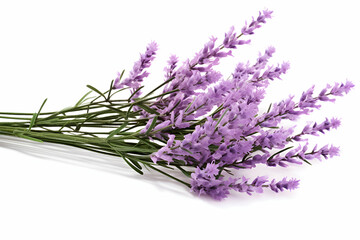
point(84, 158)
point(115, 165)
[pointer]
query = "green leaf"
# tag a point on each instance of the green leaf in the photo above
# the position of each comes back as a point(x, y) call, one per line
point(170, 176)
point(256, 148)
point(129, 128)
point(163, 84)
point(136, 91)
point(250, 134)
point(194, 110)
point(186, 173)
point(30, 138)
point(112, 108)
point(305, 160)
point(272, 156)
point(95, 90)
point(132, 149)
point(147, 143)
point(186, 150)
point(217, 110)
point(229, 172)
point(245, 156)
point(218, 122)
point(122, 74)
point(128, 163)
point(21, 134)
point(147, 109)
point(188, 107)
point(82, 100)
point(118, 91)
point(158, 96)
point(35, 115)
point(164, 165)
point(32, 122)
point(136, 164)
point(153, 123)
point(134, 167)
point(133, 161)
point(177, 104)
point(64, 110)
point(111, 87)
point(42, 105)
point(116, 131)
point(128, 112)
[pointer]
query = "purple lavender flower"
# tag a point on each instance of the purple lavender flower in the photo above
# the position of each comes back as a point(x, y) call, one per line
point(271, 73)
point(231, 39)
point(307, 100)
point(252, 161)
point(273, 139)
point(313, 129)
point(240, 99)
point(249, 29)
point(198, 73)
point(339, 89)
point(327, 151)
point(235, 136)
point(172, 63)
point(207, 182)
point(288, 109)
point(284, 184)
point(226, 92)
point(138, 74)
point(258, 183)
point(301, 154)
point(285, 109)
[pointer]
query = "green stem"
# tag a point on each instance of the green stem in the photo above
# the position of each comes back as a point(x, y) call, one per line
point(170, 176)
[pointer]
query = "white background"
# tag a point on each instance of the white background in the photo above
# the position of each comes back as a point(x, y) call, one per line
point(54, 49)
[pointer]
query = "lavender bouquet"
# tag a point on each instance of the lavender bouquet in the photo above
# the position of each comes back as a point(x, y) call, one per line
point(196, 124)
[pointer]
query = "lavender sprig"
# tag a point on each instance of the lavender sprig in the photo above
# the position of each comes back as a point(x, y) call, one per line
point(205, 182)
point(203, 126)
point(138, 74)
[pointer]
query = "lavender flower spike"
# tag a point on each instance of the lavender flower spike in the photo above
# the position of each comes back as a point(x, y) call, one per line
point(171, 67)
point(247, 30)
point(284, 184)
point(207, 182)
point(203, 181)
point(137, 74)
point(313, 129)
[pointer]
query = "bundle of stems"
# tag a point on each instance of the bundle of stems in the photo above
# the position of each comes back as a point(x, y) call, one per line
point(101, 124)
point(195, 123)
